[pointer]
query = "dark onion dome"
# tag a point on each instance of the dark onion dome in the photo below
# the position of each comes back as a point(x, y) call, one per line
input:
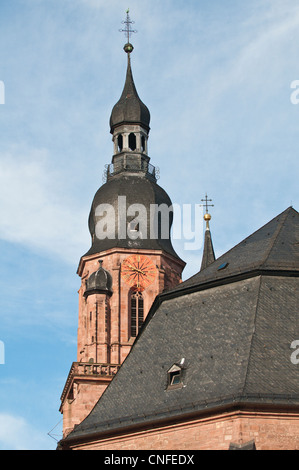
point(137, 190)
point(99, 282)
point(129, 109)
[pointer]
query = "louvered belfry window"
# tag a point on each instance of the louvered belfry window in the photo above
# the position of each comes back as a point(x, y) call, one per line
point(136, 313)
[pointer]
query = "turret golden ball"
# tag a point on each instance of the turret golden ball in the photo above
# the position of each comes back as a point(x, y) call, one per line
point(128, 48)
point(207, 217)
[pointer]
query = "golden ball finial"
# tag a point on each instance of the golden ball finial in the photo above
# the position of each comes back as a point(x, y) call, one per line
point(207, 217)
point(128, 48)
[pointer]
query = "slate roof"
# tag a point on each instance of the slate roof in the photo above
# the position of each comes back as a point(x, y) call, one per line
point(137, 190)
point(99, 281)
point(235, 338)
point(129, 109)
point(208, 255)
point(275, 246)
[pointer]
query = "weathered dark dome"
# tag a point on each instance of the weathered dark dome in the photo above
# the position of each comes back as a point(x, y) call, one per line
point(129, 109)
point(133, 189)
point(99, 282)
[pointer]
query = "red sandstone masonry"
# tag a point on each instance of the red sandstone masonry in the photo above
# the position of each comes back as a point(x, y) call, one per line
point(85, 395)
point(169, 275)
point(103, 325)
point(270, 431)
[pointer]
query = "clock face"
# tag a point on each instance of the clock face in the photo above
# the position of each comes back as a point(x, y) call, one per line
point(138, 271)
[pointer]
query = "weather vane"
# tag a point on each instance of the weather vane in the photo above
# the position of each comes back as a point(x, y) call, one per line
point(128, 30)
point(206, 205)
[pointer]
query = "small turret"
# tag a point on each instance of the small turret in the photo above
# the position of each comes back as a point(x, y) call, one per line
point(99, 282)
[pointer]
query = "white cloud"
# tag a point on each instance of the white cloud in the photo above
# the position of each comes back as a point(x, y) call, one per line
point(36, 209)
point(17, 434)
point(204, 77)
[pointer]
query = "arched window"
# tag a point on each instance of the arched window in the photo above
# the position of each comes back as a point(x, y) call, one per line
point(132, 141)
point(120, 142)
point(136, 308)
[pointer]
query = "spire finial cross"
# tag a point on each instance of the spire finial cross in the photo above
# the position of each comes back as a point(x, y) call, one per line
point(128, 30)
point(206, 205)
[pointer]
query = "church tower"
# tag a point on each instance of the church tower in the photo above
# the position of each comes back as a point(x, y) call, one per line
point(131, 259)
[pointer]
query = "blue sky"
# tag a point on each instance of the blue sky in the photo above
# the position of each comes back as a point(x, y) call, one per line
point(216, 76)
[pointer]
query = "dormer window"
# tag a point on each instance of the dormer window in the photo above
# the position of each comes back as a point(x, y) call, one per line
point(222, 266)
point(175, 377)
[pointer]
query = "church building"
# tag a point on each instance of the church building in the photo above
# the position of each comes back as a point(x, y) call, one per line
point(208, 363)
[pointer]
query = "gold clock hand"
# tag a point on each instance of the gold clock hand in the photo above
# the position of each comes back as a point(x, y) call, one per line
point(135, 269)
